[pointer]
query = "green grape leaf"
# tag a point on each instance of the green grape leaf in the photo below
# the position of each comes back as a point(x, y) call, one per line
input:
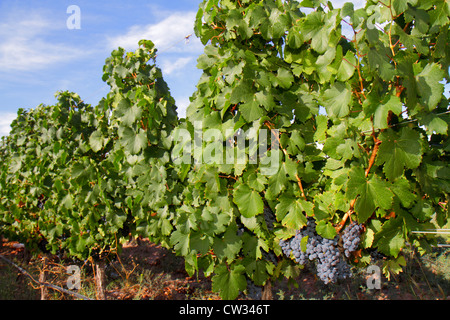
point(320, 42)
point(402, 189)
point(242, 93)
point(252, 246)
point(256, 181)
point(120, 105)
point(325, 229)
point(251, 111)
point(259, 270)
point(285, 78)
point(292, 212)
point(433, 123)
point(131, 141)
point(440, 15)
point(391, 104)
point(131, 115)
point(265, 99)
point(394, 266)
point(229, 282)
point(96, 141)
point(429, 86)
point(367, 238)
point(228, 245)
point(180, 241)
point(390, 239)
point(337, 100)
point(248, 201)
point(400, 6)
point(347, 67)
point(115, 219)
point(67, 202)
point(277, 183)
point(105, 171)
point(199, 243)
point(233, 18)
point(379, 61)
point(294, 38)
point(372, 193)
point(399, 151)
point(256, 14)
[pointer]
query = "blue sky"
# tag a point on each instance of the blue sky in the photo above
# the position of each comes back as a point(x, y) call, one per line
point(39, 55)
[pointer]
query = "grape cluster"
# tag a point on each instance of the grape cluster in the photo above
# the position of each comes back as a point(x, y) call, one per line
point(351, 238)
point(293, 245)
point(269, 256)
point(330, 265)
point(240, 228)
point(41, 203)
point(254, 292)
point(375, 255)
point(269, 218)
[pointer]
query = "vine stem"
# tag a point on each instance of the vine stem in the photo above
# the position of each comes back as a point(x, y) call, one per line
point(299, 181)
point(374, 154)
point(358, 65)
point(352, 203)
point(346, 216)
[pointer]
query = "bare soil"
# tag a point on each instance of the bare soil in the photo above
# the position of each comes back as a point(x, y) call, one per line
point(146, 271)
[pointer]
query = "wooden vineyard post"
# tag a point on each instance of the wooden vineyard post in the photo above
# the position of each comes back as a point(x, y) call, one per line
point(267, 291)
point(100, 280)
point(43, 279)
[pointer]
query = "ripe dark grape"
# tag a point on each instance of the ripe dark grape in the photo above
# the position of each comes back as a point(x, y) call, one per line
point(351, 238)
point(269, 217)
point(254, 292)
point(41, 202)
point(269, 256)
point(375, 255)
point(330, 265)
point(240, 228)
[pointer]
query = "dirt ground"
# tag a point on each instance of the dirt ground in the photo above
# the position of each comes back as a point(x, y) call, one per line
point(146, 271)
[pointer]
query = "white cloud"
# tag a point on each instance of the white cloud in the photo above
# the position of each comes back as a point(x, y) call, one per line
point(5, 122)
point(357, 4)
point(23, 44)
point(168, 66)
point(182, 104)
point(166, 34)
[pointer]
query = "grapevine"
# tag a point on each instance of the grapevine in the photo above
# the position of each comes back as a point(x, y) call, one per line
point(356, 157)
point(307, 246)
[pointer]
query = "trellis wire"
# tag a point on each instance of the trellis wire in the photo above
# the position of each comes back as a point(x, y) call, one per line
point(436, 231)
